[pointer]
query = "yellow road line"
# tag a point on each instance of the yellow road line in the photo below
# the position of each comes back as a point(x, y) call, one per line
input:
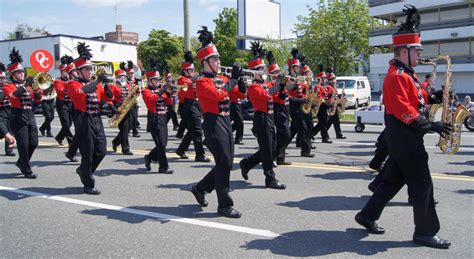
point(349, 169)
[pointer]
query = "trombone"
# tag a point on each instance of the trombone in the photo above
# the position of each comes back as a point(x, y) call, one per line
point(246, 73)
point(44, 82)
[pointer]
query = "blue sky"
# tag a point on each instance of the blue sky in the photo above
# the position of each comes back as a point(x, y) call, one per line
point(96, 17)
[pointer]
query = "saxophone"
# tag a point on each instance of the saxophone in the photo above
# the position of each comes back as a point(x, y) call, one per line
point(125, 107)
point(454, 117)
point(313, 101)
point(432, 108)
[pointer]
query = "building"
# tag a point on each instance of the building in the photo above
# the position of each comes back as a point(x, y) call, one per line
point(121, 36)
point(106, 54)
point(447, 28)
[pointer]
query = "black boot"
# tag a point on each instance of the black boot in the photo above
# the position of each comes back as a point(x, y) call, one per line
point(244, 169)
point(182, 154)
point(229, 212)
point(431, 241)
point(200, 196)
point(275, 184)
point(91, 191)
point(370, 225)
point(147, 162)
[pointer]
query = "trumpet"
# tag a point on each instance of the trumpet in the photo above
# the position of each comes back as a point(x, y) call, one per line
point(246, 73)
point(299, 79)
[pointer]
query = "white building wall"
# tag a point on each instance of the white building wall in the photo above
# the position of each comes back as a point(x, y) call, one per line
point(420, 5)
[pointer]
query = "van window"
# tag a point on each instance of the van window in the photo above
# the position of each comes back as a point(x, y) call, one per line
point(349, 84)
point(363, 84)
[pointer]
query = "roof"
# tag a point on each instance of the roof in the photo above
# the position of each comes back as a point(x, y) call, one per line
point(72, 36)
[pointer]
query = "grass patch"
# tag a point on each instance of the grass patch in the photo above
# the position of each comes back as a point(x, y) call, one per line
point(347, 117)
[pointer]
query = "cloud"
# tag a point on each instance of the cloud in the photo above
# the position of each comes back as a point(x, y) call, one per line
point(209, 5)
point(105, 3)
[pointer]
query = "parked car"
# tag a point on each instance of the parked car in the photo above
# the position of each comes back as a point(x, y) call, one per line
point(357, 89)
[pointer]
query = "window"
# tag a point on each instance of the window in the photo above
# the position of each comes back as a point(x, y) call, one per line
point(348, 84)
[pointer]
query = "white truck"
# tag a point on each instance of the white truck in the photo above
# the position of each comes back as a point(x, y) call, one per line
point(357, 89)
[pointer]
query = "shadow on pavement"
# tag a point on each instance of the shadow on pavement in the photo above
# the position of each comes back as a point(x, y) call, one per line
point(470, 162)
point(43, 190)
point(334, 203)
point(122, 172)
point(343, 176)
point(137, 214)
point(234, 185)
point(465, 173)
point(466, 191)
point(321, 242)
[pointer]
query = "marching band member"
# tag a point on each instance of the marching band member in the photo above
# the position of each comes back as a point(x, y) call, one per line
point(22, 122)
point(236, 117)
point(261, 97)
point(406, 126)
point(63, 102)
point(74, 145)
point(334, 119)
point(297, 98)
point(182, 123)
point(154, 97)
point(133, 120)
point(281, 112)
point(5, 113)
point(308, 118)
point(323, 108)
point(48, 107)
point(120, 91)
point(427, 83)
point(213, 96)
point(191, 112)
point(169, 102)
point(86, 97)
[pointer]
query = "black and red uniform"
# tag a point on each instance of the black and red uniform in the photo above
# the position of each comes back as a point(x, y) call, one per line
point(282, 123)
point(63, 107)
point(23, 123)
point(261, 96)
point(334, 119)
point(298, 122)
point(182, 122)
point(47, 105)
point(5, 117)
point(155, 99)
point(192, 116)
point(120, 93)
point(236, 97)
point(323, 115)
point(408, 161)
point(212, 92)
point(86, 98)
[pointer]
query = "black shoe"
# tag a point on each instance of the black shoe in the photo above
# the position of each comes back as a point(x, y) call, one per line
point(372, 187)
point(313, 147)
point(91, 191)
point(202, 158)
point(431, 241)
point(283, 163)
point(238, 142)
point(275, 184)
point(114, 147)
point(60, 142)
point(275, 164)
point(136, 135)
point(229, 212)
point(180, 136)
point(176, 128)
point(41, 131)
point(31, 175)
point(10, 153)
point(147, 162)
point(370, 225)
point(200, 196)
point(307, 154)
point(326, 140)
point(375, 165)
point(298, 145)
point(71, 158)
point(165, 171)
point(182, 154)
point(244, 169)
point(341, 137)
point(49, 134)
point(127, 153)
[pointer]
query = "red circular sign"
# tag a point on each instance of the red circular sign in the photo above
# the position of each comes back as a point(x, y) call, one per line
point(41, 60)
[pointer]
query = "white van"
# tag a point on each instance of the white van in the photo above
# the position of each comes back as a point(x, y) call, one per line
point(357, 91)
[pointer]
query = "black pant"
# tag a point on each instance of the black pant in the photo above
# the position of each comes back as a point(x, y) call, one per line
point(23, 125)
point(192, 115)
point(322, 122)
point(48, 113)
point(65, 117)
point(265, 131)
point(134, 119)
point(159, 132)
point(171, 114)
point(381, 150)
point(218, 133)
point(93, 145)
point(238, 121)
point(299, 126)
point(407, 164)
point(283, 133)
point(124, 129)
point(5, 117)
point(182, 123)
point(334, 119)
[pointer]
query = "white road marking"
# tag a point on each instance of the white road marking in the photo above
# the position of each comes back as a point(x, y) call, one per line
point(160, 216)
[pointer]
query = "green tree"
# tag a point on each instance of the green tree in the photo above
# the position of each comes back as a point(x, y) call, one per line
point(336, 34)
point(225, 38)
point(281, 51)
point(25, 28)
point(163, 46)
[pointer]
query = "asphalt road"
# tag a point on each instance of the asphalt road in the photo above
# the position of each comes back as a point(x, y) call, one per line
point(146, 214)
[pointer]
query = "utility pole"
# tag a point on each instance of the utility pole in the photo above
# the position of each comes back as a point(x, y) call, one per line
point(186, 25)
